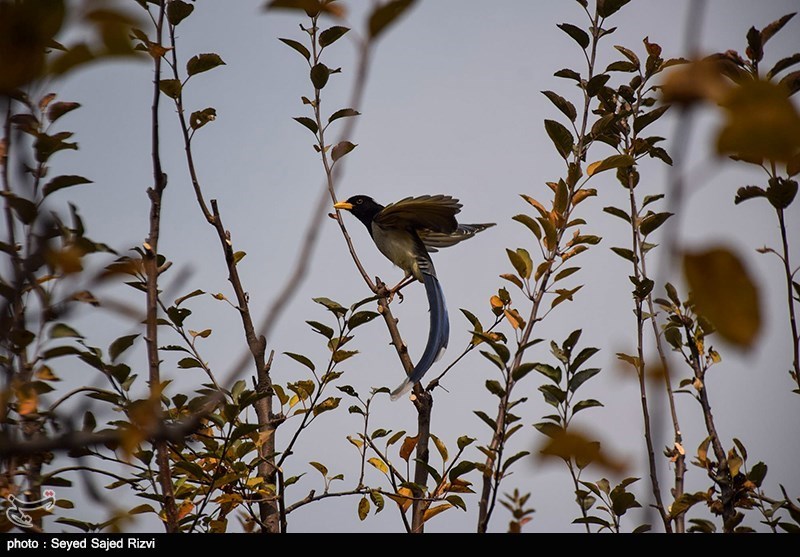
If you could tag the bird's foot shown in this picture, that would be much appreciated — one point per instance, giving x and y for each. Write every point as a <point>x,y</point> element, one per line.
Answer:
<point>392,293</point>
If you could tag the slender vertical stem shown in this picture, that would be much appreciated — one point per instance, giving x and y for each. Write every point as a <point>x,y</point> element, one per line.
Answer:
<point>151,270</point>
<point>787,268</point>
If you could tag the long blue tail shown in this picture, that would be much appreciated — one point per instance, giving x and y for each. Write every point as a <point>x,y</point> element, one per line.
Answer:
<point>438,334</point>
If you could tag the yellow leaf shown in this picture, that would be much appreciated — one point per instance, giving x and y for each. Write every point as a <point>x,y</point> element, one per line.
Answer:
<point>515,319</point>
<point>762,122</point>
<point>46,374</point>
<point>496,302</point>
<point>580,195</point>
<point>433,511</point>
<point>734,462</point>
<point>264,436</point>
<point>408,446</point>
<point>693,82</point>
<point>724,293</point>
<point>403,498</point>
<point>539,207</point>
<point>571,445</point>
<point>26,401</point>
<point>185,508</point>
<point>357,442</point>
<point>379,464</point>
<point>363,508</point>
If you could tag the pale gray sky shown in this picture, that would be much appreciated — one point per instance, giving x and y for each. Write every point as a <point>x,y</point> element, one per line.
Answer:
<point>453,106</point>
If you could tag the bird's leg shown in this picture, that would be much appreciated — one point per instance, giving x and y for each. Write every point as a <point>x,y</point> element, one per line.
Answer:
<point>408,279</point>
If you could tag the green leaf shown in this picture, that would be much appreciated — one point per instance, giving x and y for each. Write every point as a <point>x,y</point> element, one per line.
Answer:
<point>60,182</point>
<point>299,47</point>
<point>377,500</point>
<point>579,35</point>
<point>189,363</point>
<point>460,469</point>
<point>781,193</point>
<point>178,10</point>
<point>321,468</point>
<point>486,419</point>
<point>474,321</point>
<point>581,377</point>
<point>596,84</point>
<point>307,122</point>
<point>651,222</point>
<point>512,459</point>
<point>62,330</point>
<point>757,473</point>
<point>170,87</point>
<point>302,359</point>
<point>724,293</point>
<point>331,35</point>
<point>329,403</point>
<point>614,161</point>
<point>456,501</point>
<point>319,75</point>
<point>332,306</point>
<point>385,14</point>
<point>202,63</point>
<point>650,199</point>
<point>549,429</point>
<point>564,273</point>
<point>588,403</point>
<point>625,254</point>
<point>321,328</point>
<point>622,66</point>
<point>530,222</point>
<point>495,388</point>
<point>644,120</point>
<point>607,8</point>
<point>567,73</point>
<point>782,64</point>
<point>361,317</point>
<point>629,54</point>
<point>748,192</point>
<point>120,345</point>
<point>522,370</point>
<point>464,442</point>
<point>561,137</point>
<point>342,355</point>
<point>618,213</point>
<point>521,264</point>
<point>343,113</point>
<point>341,149</point>
<point>58,109</point>
<point>566,107</point>
<point>552,373</point>
<point>552,394</point>
<point>200,118</point>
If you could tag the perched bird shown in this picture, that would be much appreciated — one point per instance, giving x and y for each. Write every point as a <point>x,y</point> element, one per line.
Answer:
<point>407,232</point>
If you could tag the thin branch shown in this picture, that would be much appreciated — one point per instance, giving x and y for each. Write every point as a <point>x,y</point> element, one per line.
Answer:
<point>151,268</point>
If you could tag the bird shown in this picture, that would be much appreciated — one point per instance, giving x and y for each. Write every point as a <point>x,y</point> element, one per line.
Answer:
<point>407,232</point>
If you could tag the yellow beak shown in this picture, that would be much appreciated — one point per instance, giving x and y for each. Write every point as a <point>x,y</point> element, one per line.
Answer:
<point>343,205</point>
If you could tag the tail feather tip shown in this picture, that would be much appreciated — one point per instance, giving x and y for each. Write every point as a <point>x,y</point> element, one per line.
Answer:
<point>401,389</point>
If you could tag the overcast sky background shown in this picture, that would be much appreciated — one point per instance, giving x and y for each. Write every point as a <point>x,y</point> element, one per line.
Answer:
<point>452,106</point>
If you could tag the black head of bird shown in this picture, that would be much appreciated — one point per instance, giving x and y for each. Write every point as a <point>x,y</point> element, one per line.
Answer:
<point>406,232</point>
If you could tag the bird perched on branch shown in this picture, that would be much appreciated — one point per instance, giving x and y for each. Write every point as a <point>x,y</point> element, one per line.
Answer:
<point>406,232</point>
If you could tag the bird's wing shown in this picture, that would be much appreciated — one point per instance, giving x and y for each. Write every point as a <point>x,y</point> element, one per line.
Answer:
<point>436,213</point>
<point>434,240</point>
